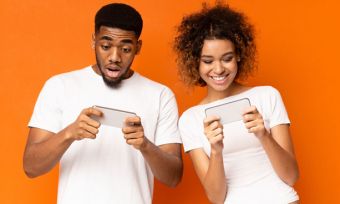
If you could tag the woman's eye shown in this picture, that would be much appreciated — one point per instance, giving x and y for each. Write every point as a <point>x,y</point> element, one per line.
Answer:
<point>207,61</point>
<point>227,59</point>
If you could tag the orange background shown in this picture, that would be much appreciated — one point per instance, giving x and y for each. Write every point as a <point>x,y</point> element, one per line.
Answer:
<point>299,55</point>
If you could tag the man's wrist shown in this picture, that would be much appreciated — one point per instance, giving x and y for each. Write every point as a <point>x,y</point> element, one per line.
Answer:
<point>145,145</point>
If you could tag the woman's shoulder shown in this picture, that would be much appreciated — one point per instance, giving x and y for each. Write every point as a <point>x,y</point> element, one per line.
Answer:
<point>191,114</point>
<point>192,111</point>
<point>262,92</point>
<point>264,89</point>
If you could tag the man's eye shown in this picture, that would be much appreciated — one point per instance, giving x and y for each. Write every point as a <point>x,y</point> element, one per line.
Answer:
<point>126,50</point>
<point>105,47</point>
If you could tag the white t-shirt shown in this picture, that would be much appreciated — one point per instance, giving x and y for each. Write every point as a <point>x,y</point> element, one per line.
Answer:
<point>106,169</point>
<point>249,174</point>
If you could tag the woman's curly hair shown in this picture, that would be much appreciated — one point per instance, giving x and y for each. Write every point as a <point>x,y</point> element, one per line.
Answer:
<point>218,22</point>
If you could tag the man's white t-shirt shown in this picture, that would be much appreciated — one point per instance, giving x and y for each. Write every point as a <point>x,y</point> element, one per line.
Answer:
<point>250,176</point>
<point>106,169</point>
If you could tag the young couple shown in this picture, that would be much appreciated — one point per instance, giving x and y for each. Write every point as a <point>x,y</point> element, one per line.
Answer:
<point>248,161</point>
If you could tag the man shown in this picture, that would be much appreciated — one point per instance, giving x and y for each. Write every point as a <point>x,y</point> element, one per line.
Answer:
<point>98,163</point>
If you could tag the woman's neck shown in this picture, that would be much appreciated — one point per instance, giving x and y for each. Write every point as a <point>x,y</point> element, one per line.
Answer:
<point>233,89</point>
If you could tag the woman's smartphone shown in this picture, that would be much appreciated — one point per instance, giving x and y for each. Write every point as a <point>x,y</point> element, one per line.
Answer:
<point>229,112</point>
<point>112,117</point>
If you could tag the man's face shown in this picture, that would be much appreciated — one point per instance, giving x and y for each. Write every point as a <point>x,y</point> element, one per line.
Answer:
<point>115,50</point>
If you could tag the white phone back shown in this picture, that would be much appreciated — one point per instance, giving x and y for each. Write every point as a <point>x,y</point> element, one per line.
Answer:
<point>229,112</point>
<point>112,117</point>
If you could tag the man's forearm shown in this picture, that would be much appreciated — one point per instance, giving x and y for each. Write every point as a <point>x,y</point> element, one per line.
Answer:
<point>165,162</point>
<point>40,158</point>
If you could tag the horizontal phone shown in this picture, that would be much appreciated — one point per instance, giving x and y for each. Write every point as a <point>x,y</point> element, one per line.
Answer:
<point>112,117</point>
<point>229,112</point>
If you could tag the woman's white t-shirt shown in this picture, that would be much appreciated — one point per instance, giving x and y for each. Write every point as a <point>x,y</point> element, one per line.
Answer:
<point>249,173</point>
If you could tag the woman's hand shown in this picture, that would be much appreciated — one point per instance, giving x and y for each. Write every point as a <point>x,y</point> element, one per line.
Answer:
<point>254,122</point>
<point>213,130</point>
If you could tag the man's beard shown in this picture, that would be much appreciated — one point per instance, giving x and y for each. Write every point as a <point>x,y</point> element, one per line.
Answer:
<point>112,83</point>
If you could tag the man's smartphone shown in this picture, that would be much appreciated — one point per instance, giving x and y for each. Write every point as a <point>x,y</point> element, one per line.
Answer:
<point>112,117</point>
<point>229,112</point>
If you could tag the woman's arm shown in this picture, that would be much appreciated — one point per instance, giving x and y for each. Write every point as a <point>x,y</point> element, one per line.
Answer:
<point>211,174</point>
<point>279,148</point>
<point>277,144</point>
<point>210,171</point>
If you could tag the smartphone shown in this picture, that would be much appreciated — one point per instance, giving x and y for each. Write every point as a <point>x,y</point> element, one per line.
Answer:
<point>112,117</point>
<point>229,112</point>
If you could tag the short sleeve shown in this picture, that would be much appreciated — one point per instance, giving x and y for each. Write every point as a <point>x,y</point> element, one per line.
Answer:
<point>167,127</point>
<point>190,131</point>
<point>278,114</point>
<point>47,111</point>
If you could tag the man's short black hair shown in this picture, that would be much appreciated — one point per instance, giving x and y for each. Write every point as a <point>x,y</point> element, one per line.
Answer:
<point>118,15</point>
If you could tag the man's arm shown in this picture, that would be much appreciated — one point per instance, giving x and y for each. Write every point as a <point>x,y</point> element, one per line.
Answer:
<point>44,149</point>
<point>165,161</point>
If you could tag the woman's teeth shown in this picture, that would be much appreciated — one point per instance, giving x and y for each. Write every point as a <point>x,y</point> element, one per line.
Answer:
<point>218,78</point>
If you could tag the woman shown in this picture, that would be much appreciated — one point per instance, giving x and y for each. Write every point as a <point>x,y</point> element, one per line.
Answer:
<point>247,161</point>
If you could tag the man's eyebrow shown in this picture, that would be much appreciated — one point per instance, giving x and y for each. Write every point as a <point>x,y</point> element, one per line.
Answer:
<point>105,37</point>
<point>127,41</point>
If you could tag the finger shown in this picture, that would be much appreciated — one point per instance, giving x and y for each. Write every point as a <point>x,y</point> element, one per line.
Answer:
<point>132,129</point>
<point>91,129</point>
<point>217,138</point>
<point>85,116</point>
<point>85,134</point>
<point>250,109</point>
<point>90,121</point>
<point>215,132</point>
<point>132,121</point>
<point>248,117</point>
<point>210,119</point>
<point>254,129</point>
<point>92,111</point>
<point>133,141</point>
<point>250,124</point>
<point>213,125</point>
<point>135,135</point>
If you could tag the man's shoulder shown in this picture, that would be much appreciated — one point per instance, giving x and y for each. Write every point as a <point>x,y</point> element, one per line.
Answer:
<point>70,75</point>
<point>147,80</point>
<point>74,73</point>
<point>148,83</point>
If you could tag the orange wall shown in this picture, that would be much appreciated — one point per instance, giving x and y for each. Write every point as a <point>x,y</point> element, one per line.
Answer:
<point>298,46</point>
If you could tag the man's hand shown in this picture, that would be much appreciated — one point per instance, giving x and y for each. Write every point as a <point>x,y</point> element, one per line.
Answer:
<point>84,126</point>
<point>134,133</point>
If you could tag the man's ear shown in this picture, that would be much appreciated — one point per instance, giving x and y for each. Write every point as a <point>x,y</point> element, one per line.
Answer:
<point>139,46</point>
<point>93,41</point>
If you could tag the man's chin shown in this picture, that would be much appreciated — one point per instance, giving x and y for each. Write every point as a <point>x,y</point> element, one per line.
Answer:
<point>112,83</point>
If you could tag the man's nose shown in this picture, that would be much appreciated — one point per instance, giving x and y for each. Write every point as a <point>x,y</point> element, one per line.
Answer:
<point>115,56</point>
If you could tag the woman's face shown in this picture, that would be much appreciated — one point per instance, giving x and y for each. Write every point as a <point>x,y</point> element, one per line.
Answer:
<point>218,64</point>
